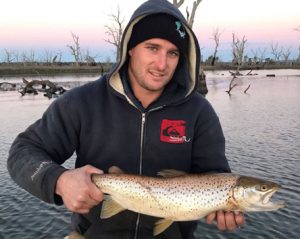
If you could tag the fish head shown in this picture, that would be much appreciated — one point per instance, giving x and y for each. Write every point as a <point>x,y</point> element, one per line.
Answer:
<point>252,194</point>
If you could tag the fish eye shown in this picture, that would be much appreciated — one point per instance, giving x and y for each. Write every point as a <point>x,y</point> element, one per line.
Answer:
<point>263,188</point>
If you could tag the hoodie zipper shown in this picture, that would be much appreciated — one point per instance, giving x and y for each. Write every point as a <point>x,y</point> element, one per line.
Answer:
<point>142,142</point>
<point>141,160</point>
<point>140,168</point>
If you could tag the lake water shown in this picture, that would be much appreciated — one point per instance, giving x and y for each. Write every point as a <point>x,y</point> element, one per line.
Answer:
<point>262,129</point>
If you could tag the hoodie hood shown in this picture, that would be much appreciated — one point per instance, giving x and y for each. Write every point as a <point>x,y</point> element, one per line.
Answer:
<point>188,69</point>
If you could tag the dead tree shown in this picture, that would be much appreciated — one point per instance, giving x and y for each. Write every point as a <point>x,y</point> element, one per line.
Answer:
<point>298,58</point>
<point>48,56</point>
<point>245,91</point>
<point>202,87</point>
<point>191,17</point>
<point>75,49</point>
<point>276,52</point>
<point>57,58</point>
<point>8,56</point>
<point>7,86</point>
<point>232,84</point>
<point>178,3</point>
<point>49,89</point>
<point>115,30</point>
<point>238,49</point>
<point>90,60</point>
<point>259,55</point>
<point>286,55</point>
<point>216,38</point>
<point>28,58</point>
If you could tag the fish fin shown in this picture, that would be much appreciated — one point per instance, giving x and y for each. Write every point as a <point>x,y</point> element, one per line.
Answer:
<point>110,207</point>
<point>161,225</point>
<point>171,173</point>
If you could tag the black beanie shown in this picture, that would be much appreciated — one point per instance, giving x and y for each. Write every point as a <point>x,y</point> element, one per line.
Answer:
<point>162,26</point>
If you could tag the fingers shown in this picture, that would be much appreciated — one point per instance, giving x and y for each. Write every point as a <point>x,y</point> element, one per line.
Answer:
<point>95,194</point>
<point>78,192</point>
<point>115,169</point>
<point>227,220</point>
<point>90,169</point>
<point>240,219</point>
<point>211,217</point>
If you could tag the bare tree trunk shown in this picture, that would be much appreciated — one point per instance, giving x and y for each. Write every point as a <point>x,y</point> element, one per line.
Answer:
<point>202,89</point>
<point>286,55</point>
<point>49,88</point>
<point>231,85</point>
<point>115,31</point>
<point>75,49</point>
<point>238,48</point>
<point>216,37</point>
<point>28,58</point>
<point>245,91</point>
<point>178,3</point>
<point>8,56</point>
<point>276,52</point>
<point>191,17</point>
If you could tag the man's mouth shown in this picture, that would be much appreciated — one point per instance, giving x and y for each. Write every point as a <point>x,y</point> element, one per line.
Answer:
<point>156,74</point>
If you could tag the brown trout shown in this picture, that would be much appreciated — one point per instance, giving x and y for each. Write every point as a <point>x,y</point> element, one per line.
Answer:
<point>177,196</point>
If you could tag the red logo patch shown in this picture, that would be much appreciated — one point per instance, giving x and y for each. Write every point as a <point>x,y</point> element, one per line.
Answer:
<point>173,131</point>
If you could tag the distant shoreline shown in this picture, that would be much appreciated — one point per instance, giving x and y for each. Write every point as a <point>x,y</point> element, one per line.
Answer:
<point>7,70</point>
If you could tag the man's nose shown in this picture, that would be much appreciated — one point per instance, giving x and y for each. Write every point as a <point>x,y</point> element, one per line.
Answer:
<point>161,61</point>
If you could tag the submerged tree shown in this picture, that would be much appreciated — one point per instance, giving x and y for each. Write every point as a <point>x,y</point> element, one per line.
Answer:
<point>238,49</point>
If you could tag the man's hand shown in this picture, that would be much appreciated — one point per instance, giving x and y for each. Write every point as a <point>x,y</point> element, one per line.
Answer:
<point>226,220</point>
<point>78,192</point>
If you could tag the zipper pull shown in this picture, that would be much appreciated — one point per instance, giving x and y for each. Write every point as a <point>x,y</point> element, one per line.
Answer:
<point>143,118</point>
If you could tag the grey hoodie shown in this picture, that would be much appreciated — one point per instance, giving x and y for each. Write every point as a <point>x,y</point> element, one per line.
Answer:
<point>103,124</point>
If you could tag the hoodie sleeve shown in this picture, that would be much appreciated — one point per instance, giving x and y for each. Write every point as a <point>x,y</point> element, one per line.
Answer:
<point>209,143</point>
<point>36,155</point>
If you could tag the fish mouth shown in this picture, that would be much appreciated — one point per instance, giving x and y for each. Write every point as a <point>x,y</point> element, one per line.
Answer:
<point>267,204</point>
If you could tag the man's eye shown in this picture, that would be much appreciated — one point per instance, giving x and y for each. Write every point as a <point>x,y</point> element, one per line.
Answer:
<point>152,48</point>
<point>174,53</point>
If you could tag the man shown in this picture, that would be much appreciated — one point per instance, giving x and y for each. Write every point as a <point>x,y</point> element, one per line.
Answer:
<point>144,116</point>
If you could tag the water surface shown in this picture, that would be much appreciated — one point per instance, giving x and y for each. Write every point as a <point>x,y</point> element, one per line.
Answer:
<point>262,129</point>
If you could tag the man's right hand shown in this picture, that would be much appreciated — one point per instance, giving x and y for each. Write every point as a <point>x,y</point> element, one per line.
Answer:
<point>77,190</point>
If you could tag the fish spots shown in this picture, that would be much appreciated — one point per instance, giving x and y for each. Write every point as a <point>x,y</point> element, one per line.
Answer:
<point>186,197</point>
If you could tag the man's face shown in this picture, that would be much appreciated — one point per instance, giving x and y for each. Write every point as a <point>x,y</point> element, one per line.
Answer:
<point>152,64</point>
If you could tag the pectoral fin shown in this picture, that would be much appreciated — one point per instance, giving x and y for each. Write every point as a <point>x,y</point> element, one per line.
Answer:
<point>110,208</point>
<point>161,225</point>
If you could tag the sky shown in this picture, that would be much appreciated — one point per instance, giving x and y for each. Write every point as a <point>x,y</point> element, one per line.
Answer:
<point>42,26</point>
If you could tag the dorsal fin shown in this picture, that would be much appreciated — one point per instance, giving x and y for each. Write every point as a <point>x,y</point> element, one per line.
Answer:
<point>171,173</point>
